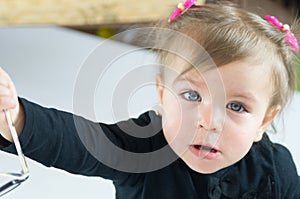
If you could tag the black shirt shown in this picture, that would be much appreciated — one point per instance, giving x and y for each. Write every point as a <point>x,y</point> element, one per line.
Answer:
<point>62,140</point>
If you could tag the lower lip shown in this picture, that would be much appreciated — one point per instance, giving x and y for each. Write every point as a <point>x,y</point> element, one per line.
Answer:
<point>204,154</point>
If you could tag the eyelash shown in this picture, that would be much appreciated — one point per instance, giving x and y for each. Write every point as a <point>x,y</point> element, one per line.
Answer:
<point>241,108</point>
<point>187,96</point>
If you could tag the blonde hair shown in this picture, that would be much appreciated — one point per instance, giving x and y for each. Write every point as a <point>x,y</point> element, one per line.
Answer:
<point>229,34</point>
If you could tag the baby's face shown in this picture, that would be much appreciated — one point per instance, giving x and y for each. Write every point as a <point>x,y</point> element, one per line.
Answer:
<point>212,119</point>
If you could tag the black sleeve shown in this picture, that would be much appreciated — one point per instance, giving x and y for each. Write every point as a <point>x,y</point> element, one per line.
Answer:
<point>4,142</point>
<point>63,140</point>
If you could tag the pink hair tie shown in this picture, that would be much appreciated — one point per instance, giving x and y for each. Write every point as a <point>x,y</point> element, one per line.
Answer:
<point>181,8</point>
<point>290,38</point>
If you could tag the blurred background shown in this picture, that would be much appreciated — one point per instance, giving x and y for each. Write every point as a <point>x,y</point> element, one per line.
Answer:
<point>105,18</point>
<point>99,12</point>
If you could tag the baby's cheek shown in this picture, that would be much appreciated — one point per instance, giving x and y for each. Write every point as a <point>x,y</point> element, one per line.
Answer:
<point>171,126</point>
<point>174,124</point>
<point>171,114</point>
<point>178,133</point>
<point>236,145</point>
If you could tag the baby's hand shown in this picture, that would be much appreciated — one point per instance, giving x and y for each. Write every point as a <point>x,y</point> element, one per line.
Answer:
<point>9,101</point>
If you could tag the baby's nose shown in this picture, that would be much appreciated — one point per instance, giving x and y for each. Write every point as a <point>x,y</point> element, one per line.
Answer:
<point>210,117</point>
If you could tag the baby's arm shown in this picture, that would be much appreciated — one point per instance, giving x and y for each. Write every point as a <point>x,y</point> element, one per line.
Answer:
<point>51,137</point>
<point>46,135</point>
<point>9,100</point>
<point>59,139</point>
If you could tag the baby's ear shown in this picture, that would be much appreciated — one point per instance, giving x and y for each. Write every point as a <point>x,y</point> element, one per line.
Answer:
<point>269,117</point>
<point>159,88</point>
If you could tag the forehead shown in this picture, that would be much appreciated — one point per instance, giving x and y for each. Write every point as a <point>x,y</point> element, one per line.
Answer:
<point>177,66</point>
<point>181,66</point>
<point>235,76</point>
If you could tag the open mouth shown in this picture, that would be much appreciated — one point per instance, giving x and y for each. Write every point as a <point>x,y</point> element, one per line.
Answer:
<point>206,148</point>
<point>205,151</point>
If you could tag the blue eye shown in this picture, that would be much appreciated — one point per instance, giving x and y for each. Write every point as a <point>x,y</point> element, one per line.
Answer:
<point>192,96</point>
<point>237,107</point>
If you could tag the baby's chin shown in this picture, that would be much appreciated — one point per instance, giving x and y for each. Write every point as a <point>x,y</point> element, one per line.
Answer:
<point>202,166</point>
<point>203,170</point>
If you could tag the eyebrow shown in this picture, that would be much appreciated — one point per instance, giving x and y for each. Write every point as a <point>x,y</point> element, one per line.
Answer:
<point>246,95</point>
<point>183,78</point>
<point>180,80</point>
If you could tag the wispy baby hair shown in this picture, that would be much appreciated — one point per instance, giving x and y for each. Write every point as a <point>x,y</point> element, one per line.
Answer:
<point>228,34</point>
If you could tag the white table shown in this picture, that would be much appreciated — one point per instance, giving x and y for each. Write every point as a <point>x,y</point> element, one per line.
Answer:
<point>44,62</point>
